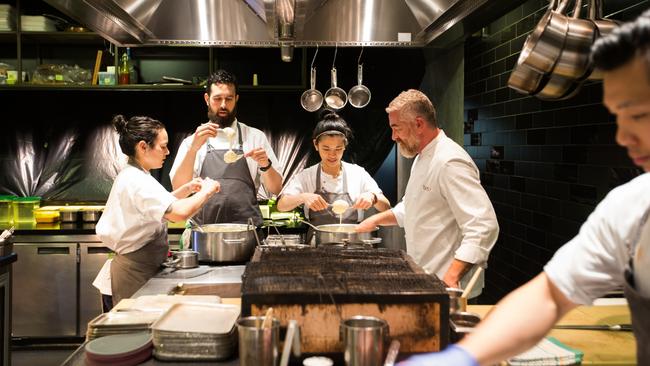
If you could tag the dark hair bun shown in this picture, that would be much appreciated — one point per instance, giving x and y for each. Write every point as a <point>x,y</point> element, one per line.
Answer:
<point>119,122</point>
<point>328,114</point>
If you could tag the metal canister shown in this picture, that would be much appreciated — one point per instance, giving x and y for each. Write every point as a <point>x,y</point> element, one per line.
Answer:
<point>363,340</point>
<point>258,346</point>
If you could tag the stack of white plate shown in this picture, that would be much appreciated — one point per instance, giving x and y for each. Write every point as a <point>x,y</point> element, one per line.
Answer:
<point>121,322</point>
<point>7,20</point>
<point>196,332</point>
<point>119,350</point>
<point>37,23</point>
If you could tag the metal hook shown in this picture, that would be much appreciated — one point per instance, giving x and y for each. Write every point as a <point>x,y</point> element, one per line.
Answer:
<point>336,48</point>
<point>314,59</point>
<point>359,60</point>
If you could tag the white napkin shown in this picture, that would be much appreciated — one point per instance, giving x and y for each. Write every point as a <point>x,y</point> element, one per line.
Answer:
<point>548,352</point>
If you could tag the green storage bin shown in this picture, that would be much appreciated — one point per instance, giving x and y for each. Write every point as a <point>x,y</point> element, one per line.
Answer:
<point>24,209</point>
<point>7,209</point>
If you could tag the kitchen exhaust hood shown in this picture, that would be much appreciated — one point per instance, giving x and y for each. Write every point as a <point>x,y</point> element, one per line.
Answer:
<point>273,23</point>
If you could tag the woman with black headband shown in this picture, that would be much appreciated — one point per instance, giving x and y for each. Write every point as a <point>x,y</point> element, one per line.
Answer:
<point>332,180</point>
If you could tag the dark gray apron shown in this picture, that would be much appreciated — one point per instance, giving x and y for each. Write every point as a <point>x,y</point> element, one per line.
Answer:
<point>129,272</point>
<point>640,311</point>
<point>639,307</point>
<point>327,216</point>
<point>237,200</point>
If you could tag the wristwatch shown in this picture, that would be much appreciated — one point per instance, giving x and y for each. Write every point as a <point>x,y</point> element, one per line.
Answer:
<point>374,198</point>
<point>265,168</point>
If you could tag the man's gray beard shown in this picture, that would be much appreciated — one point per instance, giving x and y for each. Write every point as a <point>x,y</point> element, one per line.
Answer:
<point>221,121</point>
<point>405,151</point>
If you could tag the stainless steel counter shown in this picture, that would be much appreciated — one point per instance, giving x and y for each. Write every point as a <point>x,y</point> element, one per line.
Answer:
<point>167,279</point>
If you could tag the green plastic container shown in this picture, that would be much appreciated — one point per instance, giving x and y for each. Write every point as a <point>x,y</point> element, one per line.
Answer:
<point>24,209</point>
<point>7,209</point>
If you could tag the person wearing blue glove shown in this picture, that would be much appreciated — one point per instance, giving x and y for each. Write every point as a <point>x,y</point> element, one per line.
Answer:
<point>611,249</point>
<point>452,355</point>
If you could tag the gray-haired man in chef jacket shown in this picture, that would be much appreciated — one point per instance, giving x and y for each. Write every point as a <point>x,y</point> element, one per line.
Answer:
<point>449,222</point>
<point>202,155</point>
<point>612,248</point>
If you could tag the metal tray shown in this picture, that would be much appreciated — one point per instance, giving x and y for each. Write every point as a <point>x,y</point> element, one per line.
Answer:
<point>208,319</point>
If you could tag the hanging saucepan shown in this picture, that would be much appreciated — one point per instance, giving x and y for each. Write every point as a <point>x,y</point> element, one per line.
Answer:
<point>335,97</point>
<point>574,61</point>
<point>311,99</point>
<point>525,79</point>
<point>359,95</point>
<point>605,27</point>
<point>544,45</point>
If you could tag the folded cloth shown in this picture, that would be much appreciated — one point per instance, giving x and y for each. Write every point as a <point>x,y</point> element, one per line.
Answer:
<point>548,352</point>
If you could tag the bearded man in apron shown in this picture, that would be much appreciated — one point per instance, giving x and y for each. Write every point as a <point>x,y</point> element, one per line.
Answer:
<point>612,248</point>
<point>202,155</point>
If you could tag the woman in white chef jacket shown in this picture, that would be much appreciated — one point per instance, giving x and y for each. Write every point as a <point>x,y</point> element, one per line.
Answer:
<point>134,222</point>
<point>318,186</point>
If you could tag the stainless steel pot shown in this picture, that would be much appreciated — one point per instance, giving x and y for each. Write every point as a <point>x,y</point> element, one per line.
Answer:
<point>544,45</point>
<point>186,259</point>
<point>574,61</point>
<point>344,234</point>
<point>224,242</point>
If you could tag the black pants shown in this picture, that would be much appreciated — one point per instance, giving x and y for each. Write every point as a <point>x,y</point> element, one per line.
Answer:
<point>107,303</point>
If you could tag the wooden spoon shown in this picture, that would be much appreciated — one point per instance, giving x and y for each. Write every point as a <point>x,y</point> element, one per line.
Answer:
<point>268,318</point>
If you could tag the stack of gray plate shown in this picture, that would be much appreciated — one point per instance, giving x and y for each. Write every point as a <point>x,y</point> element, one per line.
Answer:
<point>196,332</point>
<point>121,322</point>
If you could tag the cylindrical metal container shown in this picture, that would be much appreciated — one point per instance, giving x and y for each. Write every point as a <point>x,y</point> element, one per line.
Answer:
<point>69,214</point>
<point>344,233</point>
<point>456,302</point>
<point>258,346</point>
<point>224,242</point>
<point>90,215</point>
<point>363,340</point>
<point>187,259</point>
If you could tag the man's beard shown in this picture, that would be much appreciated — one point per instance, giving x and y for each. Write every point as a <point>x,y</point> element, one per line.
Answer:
<point>406,149</point>
<point>225,121</point>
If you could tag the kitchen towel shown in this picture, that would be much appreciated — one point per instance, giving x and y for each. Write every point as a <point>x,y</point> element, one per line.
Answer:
<point>548,352</point>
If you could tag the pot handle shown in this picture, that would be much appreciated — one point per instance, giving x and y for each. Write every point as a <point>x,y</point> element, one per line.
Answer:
<point>372,241</point>
<point>234,241</point>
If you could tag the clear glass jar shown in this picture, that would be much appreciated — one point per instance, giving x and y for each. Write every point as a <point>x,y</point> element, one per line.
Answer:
<point>7,209</point>
<point>24,208</point>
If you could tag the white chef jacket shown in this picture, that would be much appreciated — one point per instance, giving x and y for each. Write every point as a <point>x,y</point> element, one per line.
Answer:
<point>252,138</point>
<point>134,211</point>
<point>445,211</point>
<point>593,263</point>
<point>358,181</point>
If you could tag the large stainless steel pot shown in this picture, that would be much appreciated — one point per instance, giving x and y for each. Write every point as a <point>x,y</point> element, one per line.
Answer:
<point>224,242</point>
<point>344,234</point>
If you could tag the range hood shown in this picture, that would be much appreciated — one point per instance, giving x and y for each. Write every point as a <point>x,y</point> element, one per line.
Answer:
<point>273,23</point>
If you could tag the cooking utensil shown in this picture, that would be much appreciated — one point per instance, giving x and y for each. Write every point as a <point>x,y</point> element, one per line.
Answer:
<point>615,327</point>
<point>544,45</point>
<point>472,282</point>
<point>574,61</point>
<point>224,242</point>
<point>393,350</point>
<point>340,206</point>
<point>258,346</point>
<point>6,233</point>
<point>605,27</point>
<point>344,234</point>
<point>359,95</point>
<point>90,214</point>
<point>291,340</point>
<point>457,302</point>
<point>268,317</point>
<point>69,214</point>
<point>335,97</point>
<point>312,99</point>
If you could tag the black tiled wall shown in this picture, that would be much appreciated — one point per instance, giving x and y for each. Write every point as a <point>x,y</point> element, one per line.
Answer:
<point>545,165</point>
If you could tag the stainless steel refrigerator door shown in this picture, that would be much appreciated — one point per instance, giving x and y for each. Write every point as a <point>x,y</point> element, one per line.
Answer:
<point>45,290</point>
<point>93,256</point>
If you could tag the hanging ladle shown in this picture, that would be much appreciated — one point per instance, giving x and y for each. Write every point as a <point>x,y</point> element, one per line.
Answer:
<point>359,95</point>
<point>311,99</point>
<point>335,97</point>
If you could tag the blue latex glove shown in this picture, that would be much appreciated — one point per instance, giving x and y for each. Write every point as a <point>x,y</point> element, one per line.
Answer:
<point>452,355</point>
